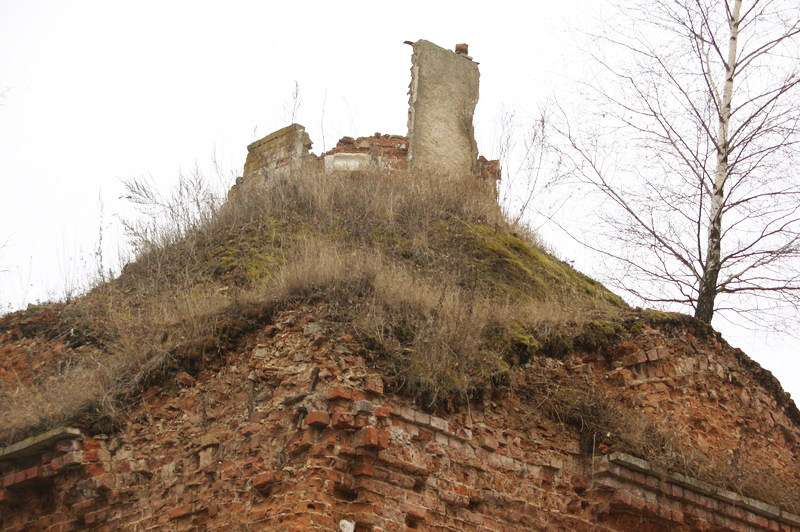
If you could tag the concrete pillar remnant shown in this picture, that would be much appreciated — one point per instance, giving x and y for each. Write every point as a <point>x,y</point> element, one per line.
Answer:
<point>442,99</point>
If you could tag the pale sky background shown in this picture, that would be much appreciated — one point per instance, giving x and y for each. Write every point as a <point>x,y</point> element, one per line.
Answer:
<point>101,91</point>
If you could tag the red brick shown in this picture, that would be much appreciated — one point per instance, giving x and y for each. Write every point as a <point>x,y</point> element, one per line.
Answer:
<point>95,517</point>
<point>366,437</point>
<point>81,506</point>
<point>265,479</point>
<point>371,437</point>
<point>94,469</point>
<point>103,482</point>
<point>8,497</point>
<point>424,435</point>
<point>303,441</point>
<point>184,378</point>
<point>364,470</point>
<point>453,498</point>
<point>180,511</point>
<point>318,418</point>
<point>92,444</point>
<point>339,392</point>
<point>382,411</point>
<point>250,430</point>
<point>417,512</point>
<point>319,449</point>
<point>342,420</point>
<point>72,458</point>
<point>57,463</point>
<point>91,456</point>
<point>32,473</point>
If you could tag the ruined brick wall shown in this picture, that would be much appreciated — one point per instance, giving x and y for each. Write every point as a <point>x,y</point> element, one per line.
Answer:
<point>278,153</point>
<point>442,99</point>
<point>296,432</point>
<point>377,152</point>
<point>635,495</point>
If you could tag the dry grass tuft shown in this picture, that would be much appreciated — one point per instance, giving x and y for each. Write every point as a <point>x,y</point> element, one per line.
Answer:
<point>437,340</point>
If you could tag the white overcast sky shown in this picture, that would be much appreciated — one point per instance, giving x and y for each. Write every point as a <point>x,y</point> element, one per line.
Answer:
<point>95,92</point>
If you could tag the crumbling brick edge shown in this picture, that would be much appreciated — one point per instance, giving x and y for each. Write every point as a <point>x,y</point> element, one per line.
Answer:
<point>637,484</point>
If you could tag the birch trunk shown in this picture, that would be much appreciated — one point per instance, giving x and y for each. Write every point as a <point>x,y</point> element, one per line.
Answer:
<point>708,284</point>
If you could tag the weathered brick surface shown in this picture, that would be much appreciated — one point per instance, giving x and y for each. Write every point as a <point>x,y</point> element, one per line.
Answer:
<point>368,153</point>
<point>198,457</point>
<point>277,154</point>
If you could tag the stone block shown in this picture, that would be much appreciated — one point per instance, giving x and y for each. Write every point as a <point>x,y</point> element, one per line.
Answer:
<point>349,162</point>
<point>363,406</point>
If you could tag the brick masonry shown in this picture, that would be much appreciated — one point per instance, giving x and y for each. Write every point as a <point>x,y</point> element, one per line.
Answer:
<point>377,152</point>
<point>277,154</point>
<point>296,432</point>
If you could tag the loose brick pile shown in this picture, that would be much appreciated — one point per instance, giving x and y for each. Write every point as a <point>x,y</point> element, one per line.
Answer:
<point>295,431</point>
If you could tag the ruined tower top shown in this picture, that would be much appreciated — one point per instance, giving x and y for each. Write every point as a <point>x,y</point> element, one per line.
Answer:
<point>442,99</point>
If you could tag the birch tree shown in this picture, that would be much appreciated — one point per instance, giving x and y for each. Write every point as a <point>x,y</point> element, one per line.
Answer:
<point>694,148</point>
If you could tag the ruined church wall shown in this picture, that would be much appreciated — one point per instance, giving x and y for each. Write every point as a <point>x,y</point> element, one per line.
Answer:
<point>442,99</point>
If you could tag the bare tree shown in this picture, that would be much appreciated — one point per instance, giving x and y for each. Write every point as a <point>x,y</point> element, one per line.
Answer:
<point>529,168</point>
<point>695,151</point>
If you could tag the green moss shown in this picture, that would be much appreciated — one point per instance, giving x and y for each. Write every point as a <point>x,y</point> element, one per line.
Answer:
<point>556,344</point>
<point>520,345</point>
<point>518,268</point>
<point>248,256</point>
<point>599,334</point>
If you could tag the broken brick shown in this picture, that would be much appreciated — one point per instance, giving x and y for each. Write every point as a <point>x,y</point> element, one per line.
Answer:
<point>180,511</point>
<point>318,418</point>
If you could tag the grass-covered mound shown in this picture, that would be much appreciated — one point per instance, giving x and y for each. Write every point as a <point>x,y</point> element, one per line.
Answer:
<point>424,268</point>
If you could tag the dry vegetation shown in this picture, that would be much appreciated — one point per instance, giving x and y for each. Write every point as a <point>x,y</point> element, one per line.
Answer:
<point>426,270</point>
<point>445,293</point>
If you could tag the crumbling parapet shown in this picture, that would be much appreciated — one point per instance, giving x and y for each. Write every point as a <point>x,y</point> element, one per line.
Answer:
<point>378,152</point>
<point>627,489</point>
<point>29,468</point>
<point>442,97</point>
<point>278,153</point>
